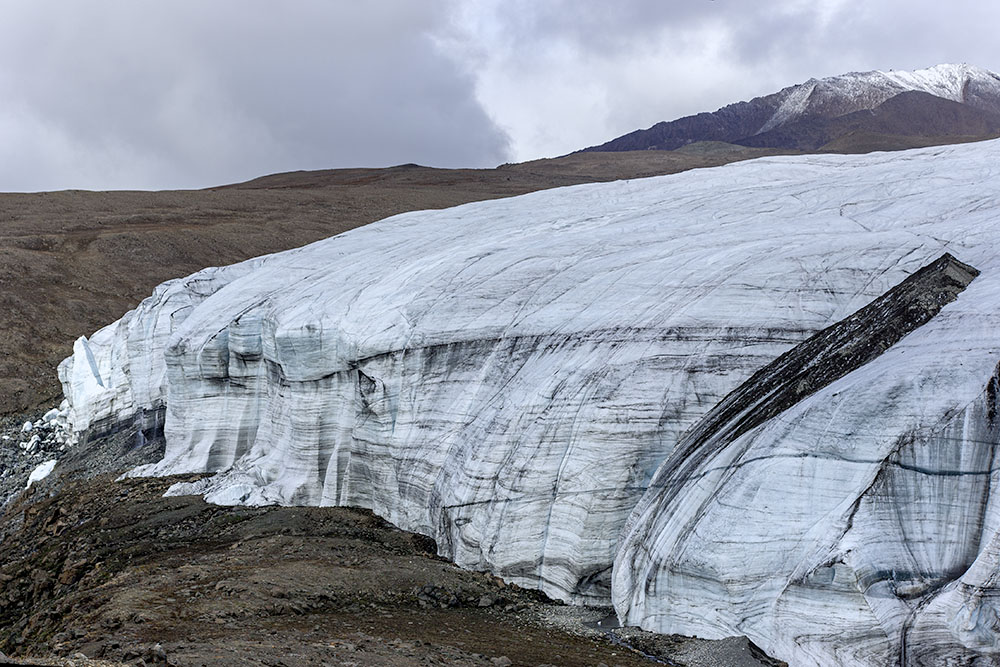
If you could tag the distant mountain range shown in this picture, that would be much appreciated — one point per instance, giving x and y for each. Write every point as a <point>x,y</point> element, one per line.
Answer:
<point>853,112</point>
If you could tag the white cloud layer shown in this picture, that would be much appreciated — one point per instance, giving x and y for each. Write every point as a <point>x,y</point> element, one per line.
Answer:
<point>141,94</point>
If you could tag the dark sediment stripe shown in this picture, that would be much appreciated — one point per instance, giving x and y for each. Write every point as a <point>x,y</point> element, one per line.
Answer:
<point>813,364</point>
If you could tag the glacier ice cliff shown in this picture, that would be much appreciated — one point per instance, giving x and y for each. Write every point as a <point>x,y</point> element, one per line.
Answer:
<point>507,377</point>
<point>899,520</point>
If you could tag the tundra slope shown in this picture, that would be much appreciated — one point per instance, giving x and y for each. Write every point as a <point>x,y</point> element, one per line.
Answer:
<point>506,376</point>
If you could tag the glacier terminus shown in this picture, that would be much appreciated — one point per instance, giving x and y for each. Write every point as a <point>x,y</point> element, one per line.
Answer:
<point>759,399</point>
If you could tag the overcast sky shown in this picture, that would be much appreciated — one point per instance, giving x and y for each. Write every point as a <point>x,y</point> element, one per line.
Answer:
<point>117,94</point>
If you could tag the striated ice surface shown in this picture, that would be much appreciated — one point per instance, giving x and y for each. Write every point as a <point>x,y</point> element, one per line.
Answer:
<point>120,370</point>
<point>860,503</point>
<point>507,376</point>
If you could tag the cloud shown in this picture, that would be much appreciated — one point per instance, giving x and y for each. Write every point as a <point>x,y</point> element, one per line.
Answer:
<point>147,94</point>
<point>108,94</point>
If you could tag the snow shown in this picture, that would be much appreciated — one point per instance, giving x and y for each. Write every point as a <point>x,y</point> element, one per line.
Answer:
<point>794,104</point>
<point>41,472</point>
<point>947,81</point>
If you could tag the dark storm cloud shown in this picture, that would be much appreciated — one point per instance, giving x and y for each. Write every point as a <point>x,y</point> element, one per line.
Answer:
<point>164,94</point>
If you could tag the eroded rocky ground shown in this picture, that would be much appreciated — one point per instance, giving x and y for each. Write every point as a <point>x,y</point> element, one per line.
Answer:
<point>91,567</point>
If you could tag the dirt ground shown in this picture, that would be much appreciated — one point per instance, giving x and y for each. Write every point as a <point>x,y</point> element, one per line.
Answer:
<point>112,570</point>
<point>93,569</point>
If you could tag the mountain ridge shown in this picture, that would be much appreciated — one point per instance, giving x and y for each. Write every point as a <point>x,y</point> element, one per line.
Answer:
<point>822,102</point>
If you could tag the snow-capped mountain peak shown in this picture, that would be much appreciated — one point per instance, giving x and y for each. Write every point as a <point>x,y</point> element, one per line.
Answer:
<point>855,91</point>
<point>929,106</point>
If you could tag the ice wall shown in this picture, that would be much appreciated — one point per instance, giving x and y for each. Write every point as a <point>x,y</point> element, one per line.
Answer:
<point>506,376</point>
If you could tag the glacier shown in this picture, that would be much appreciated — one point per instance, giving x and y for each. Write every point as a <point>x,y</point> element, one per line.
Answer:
<point>517,379</point>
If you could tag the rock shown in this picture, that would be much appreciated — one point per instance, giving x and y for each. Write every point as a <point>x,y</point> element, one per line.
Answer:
<point>430,595</point>
<point>70,573</point>
<point>502,661</point>
<point>156,654</point>
<point>27,427</point>
<point>506,377</point>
